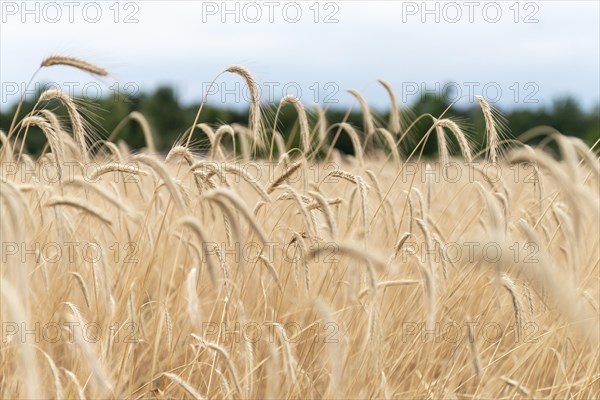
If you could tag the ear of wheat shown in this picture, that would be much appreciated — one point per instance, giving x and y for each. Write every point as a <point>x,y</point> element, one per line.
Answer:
<point>75,63</point>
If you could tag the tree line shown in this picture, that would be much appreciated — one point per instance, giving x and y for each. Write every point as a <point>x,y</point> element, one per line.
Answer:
<point>169,119</point>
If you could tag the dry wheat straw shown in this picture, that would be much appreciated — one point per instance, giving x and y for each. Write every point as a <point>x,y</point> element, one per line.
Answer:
<point>330,202</point>
<point>73,378</point>
<point>356,145</point>
<point>273,371</point>
<point>300,202</point>
<point>83,287</point>
<point>193,224</point>
<point>243,173</point>
<point>422,204</point>
<point>19,314</point>
<point>159,168</point>
<point>334,347</point>
<point>144,124</point>
<point>352,250</point>
<point>281,149</point>
<point>224,385</point>
<point>442,144</point>
<point>225,355</point>
<point>391,143</point>
<point>101,383</point>
<point>190,283</point>
<point>55,374</point>
<point>329,217</point>
<point>243,134</point>
<point>216,141</point>
<point>473,347</point>
<point>506,208</point>
<point>184,385</point>
<point>100,191</point>
<point>430,294</point>
<point>181,151</point>
<point>63,138</point>
<point>50,130</point>
<point>586,154</point>
<point>560,290</point>
<point>217,194</point>
<point>381,199</point>
<point>168,325</point>
<point>322,123</point>
<point>298,239</point>
<point>6,146</point>
<point>272,271</point>
<point>496,225</point>
<point>399,245</point>
<point>511,382</point>
<point>512,289</point>
<point>115,167</point>
<point>249,353</point>
<point>52,136</point>
<point>393,283</point>
<point>372,341</point>
<point>593,302</point>
<point>568,228</point>
<point>363,190</point>
<point>291,363</point>
<point>113,149</point>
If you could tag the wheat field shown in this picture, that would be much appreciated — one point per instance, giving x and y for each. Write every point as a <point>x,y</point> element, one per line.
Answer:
<point>275,271</point>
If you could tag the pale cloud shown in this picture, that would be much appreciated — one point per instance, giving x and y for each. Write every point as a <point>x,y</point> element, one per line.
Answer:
<point>179,43</point>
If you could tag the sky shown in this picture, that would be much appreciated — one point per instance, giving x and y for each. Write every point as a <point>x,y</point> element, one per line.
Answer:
<point>514,53</point>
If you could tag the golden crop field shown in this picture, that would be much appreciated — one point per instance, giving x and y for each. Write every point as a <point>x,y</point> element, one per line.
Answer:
<point>270,271</point>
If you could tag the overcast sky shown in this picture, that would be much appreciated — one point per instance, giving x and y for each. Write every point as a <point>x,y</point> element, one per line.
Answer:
<point>514,53</point>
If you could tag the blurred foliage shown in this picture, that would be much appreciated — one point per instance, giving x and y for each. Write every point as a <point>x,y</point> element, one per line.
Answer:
<point>169,120</point>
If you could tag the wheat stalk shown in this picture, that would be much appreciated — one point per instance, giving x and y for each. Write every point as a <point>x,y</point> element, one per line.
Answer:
<point>255,123</point>
<point>165,176</point>
<point>394,122</point>
<point>76,119</point>
<point>461,137</point>
<point>272,271</point>
<point>356,145</point>
<point>303,120</point>
<point>195,227</point>
<point>144,124</point>
<point>442,144</point>
<point>472,347</point>
<point>512,289</point>
<point>225,354</point>
<point>330,218</point>
<point>73,378</point>
<point>283,177</point>
<point>52,136</point>
<point>369,124</point>
<point>64,201</point>
<point>184,385</point>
